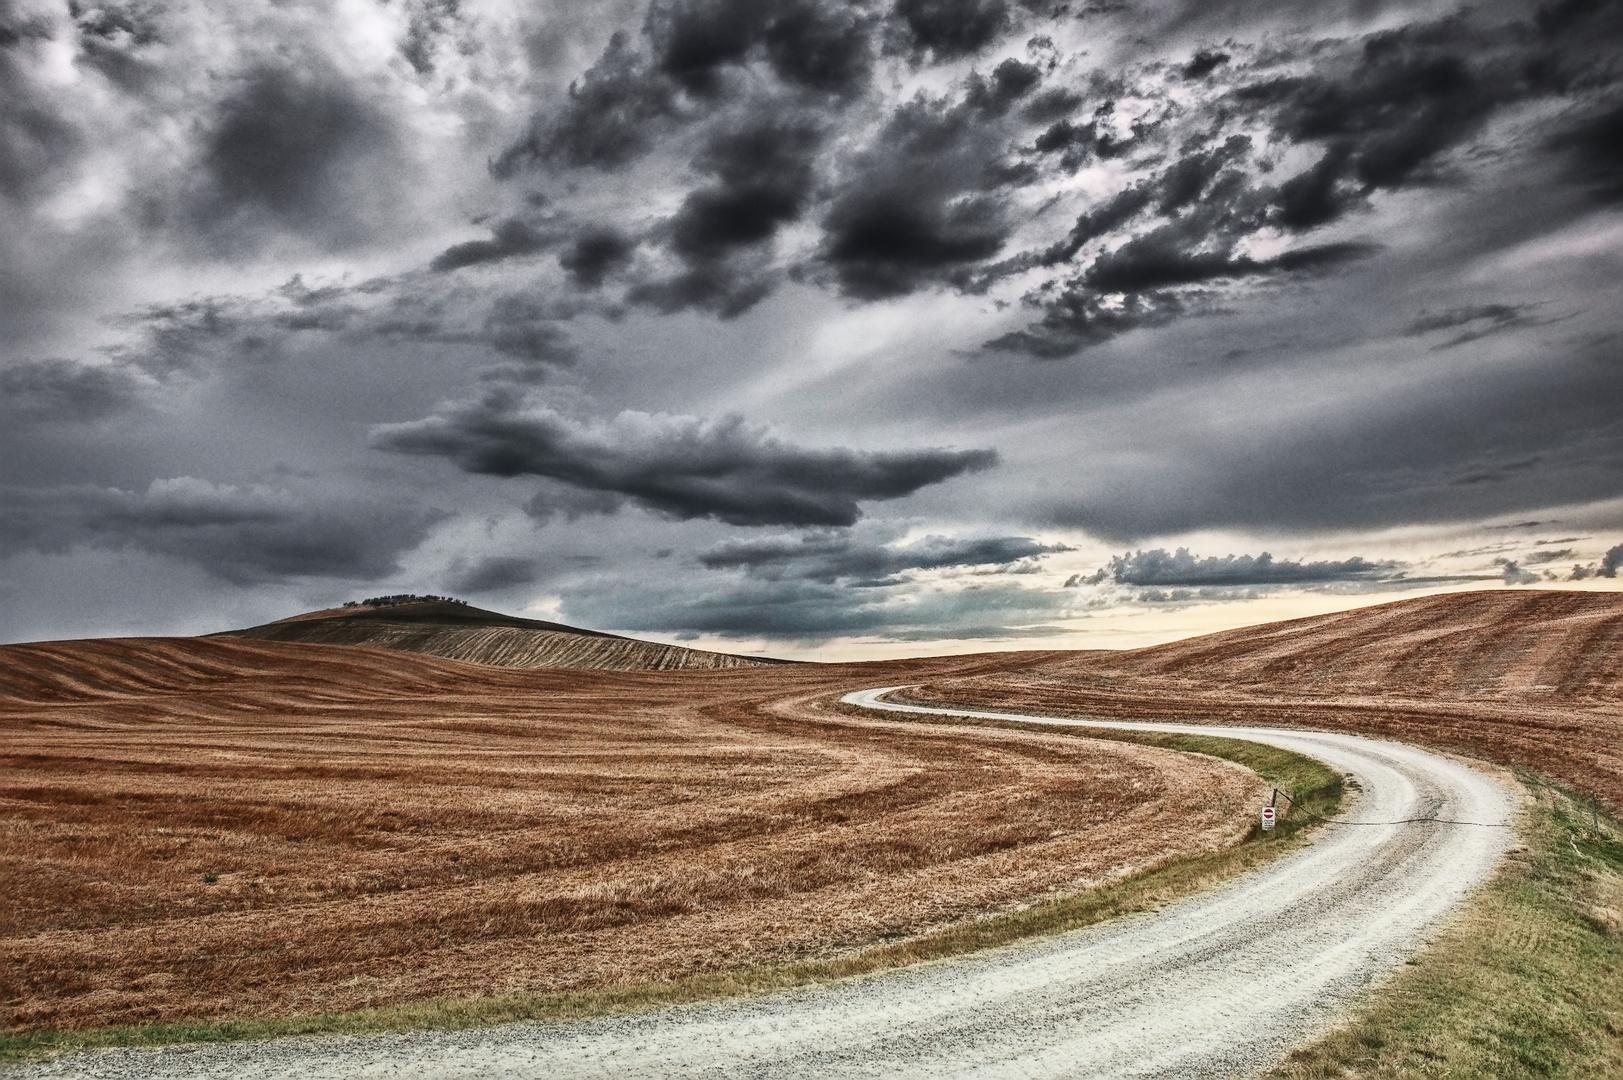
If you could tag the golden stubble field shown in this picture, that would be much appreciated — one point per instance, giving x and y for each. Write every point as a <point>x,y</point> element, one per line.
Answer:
<point>1520,677</point>
<point>216,828</point>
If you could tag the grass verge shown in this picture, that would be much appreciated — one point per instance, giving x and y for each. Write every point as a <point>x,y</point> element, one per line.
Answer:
<point>1315,787</point>
<point>1527,979</point>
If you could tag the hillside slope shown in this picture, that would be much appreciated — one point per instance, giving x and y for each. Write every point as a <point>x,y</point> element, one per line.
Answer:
<point>1530,678</point>
<point>1533,645</point>
<point>459,631</point>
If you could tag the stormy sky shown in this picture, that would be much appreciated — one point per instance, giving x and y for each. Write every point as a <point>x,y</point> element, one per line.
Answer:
<point>808,327</point>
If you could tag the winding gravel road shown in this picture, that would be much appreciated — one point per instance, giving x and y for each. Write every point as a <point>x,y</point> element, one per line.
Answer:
<point>1220,984</point>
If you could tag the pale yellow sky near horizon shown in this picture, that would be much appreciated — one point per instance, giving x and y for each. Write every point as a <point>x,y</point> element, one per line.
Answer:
<point>1123,627</point>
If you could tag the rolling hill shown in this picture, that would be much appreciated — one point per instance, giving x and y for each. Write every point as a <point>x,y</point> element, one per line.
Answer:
<point>1525,677</point>
<point>1522,645</point>
<point>458,631</point>
<point>336,810</point>
<point>210,827</point>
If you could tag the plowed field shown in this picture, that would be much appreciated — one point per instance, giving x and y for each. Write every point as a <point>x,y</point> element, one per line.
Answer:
<point>207,828</point>
<point>458,631</point>
<point>1531,678</point>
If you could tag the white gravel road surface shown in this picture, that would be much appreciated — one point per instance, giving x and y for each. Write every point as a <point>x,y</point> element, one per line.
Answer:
<point>1221,984</point>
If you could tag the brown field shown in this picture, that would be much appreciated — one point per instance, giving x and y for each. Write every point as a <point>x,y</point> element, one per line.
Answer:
<point>224,827</point>
<point>1530,678</point>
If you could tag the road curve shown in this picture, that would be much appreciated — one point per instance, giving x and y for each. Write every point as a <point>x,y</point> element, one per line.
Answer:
<point>1220,984</point>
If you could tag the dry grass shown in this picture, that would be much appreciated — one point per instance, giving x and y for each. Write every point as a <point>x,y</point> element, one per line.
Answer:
<point>202,830</point>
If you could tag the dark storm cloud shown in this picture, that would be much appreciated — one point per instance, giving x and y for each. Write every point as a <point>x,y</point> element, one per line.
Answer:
<point>696,49</point>
<point>242,535</point>
<point>678,466</point>
<point>1052,104</point>
<point>920,206</point>
<point>1104,219</point>
<point>57,391</point>
<point>556,498</point>
<point>822,46</point>
<point>596,254</point>
<point>1164,258</point>
<point>1411,94</point>
<point>831,556</point>
<point>1231,207</point>
<point>1204,62</point>
<point>492,574</point>
<point>1594,151</point>
<point>1210,209</point>
<point>1159,567</point>
<point>763,176</point>
<point>1206,206</point>
<point>691,40</point>
<point>948,29</point>
<point>1385,112</point>
<point>297,149</point>
<point>1608,566</point>
<point>812,611</point>
<point>1075,318</point>
<point>509,239</point>
<point>926,200</point>
<point>726,288</point>
<point>1317,195</point>
<point>1514,574</point>
<point>1613,560</point>
<point>1191,177</point>
<point>609,120</point>
<point>924,204</point>
<point>763,179</point>
<point>815,44</point>
<point>1010,82</point>
<point>1077,142</point>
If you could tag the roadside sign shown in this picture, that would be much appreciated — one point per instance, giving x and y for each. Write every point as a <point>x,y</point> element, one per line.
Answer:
<point>1267,818</point>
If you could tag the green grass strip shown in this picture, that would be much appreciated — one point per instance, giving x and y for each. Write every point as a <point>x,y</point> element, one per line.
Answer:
<point>1315,787</point>
<point>1526,980</point>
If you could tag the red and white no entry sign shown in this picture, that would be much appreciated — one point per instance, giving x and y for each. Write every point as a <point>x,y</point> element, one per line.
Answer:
<point>1267,818</point>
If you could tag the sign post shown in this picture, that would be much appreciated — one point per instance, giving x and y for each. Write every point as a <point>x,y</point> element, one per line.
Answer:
<point>1268,813</point>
